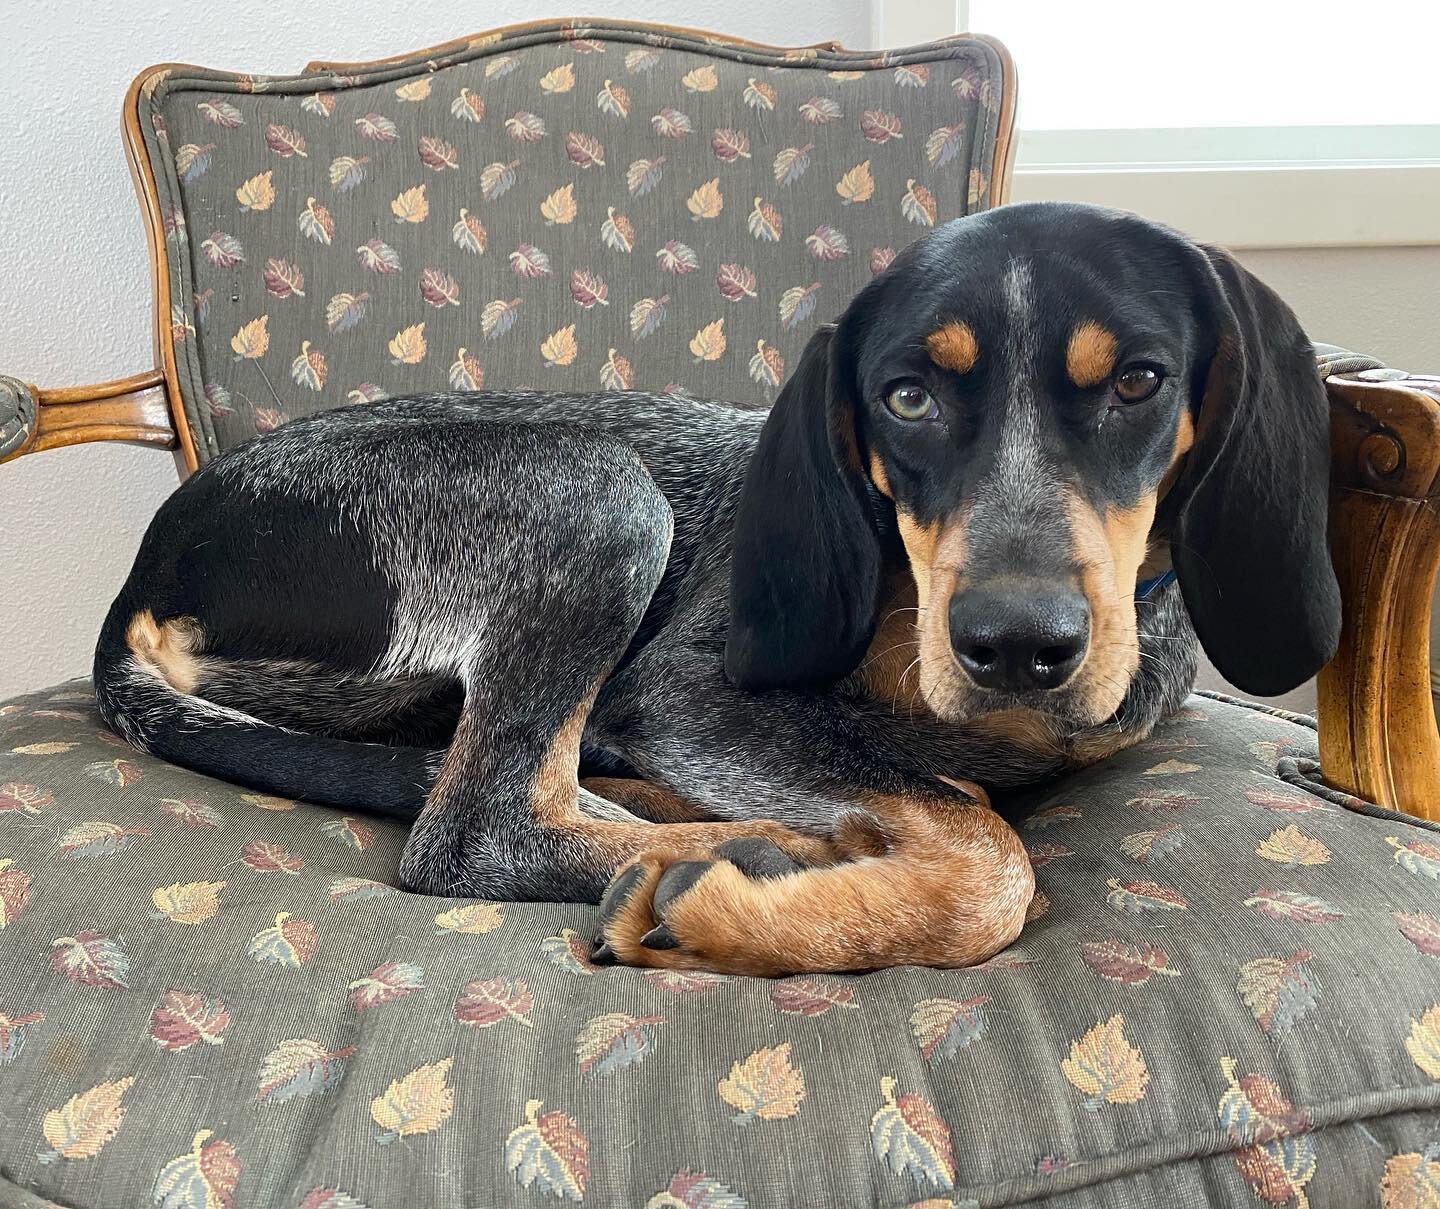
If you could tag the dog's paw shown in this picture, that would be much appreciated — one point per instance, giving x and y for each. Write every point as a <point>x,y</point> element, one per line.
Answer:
<point>692,911</point>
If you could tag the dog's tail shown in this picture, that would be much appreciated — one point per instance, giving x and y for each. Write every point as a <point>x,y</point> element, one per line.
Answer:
<point>136,664</point>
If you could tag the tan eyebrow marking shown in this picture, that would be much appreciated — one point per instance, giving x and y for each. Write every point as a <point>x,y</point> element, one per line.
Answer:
<point>953,346</point>
<point>1090,356</point>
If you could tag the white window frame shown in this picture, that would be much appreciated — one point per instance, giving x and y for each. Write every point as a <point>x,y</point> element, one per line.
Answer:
<point>1340,186</point>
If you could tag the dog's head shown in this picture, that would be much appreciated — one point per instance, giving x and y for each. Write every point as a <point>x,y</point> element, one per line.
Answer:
<point>1046,404</point>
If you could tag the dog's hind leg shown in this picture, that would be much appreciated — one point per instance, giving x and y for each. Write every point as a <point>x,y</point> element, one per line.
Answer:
<point>542,633</point>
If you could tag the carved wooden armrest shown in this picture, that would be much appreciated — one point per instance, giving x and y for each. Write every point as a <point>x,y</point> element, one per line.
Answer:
<point>127,409</point>
<point>1377,720</point>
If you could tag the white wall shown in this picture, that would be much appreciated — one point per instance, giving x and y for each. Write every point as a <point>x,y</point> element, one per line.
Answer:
<point>74,281</point>
<point>74,290</point>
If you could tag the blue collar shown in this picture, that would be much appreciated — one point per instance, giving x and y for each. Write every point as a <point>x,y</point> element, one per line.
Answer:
<point>1146,587</point>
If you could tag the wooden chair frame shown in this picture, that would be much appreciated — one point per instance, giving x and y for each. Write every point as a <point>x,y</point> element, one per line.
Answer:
<point>1378,737</point>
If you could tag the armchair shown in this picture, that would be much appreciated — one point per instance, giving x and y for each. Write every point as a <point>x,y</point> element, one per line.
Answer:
<point>1227,992</point>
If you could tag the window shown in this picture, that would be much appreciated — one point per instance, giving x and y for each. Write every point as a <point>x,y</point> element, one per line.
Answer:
<point>1243,122</point>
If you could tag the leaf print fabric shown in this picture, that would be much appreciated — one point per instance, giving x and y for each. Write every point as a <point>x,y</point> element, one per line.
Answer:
<point>565,156</point>
<point>260,952</point>
<point>158,969</point>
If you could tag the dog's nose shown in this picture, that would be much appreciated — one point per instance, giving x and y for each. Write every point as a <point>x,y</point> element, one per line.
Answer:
<point>1020,637</point>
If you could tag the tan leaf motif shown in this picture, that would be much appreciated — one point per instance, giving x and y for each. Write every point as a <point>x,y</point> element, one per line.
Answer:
<point>1412,1180</point>
<point>252,340</point>
<point>559,207</point>
<point>559,79</point>
<point>708,344</point>
<point>415,90</point>
<point>407,347</point>
<point>559,348</point>
<point>80,1127</point>
<point>188,902</point>
<point>764,1085</point>
<point>420,1102</point>
<point>411,206</point>
<point>706,201</point>
<point>1106,1067</point>
<point>1423,1043</point>
<point>257,193</point>
<point>857,185</point>
<point>1290,846</point>
<point>700,79</point>
<point>473,919</point>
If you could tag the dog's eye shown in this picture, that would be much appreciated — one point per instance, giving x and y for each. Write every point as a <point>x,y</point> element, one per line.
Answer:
<point>1137,383</point>
<point>911,403</point>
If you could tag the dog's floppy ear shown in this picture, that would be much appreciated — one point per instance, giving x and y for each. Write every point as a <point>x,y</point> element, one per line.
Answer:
<point>806,571</point>
<point>1249,540</point>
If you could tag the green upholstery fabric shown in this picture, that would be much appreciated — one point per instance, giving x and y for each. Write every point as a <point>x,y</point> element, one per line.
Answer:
<point>556,207</point>
<point>1229,994</point>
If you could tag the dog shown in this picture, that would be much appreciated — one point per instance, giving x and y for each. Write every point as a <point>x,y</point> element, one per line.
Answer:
<point>746,677</point>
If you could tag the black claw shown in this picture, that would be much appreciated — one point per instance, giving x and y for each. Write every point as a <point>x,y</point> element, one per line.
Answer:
<point>619,890</point>
<point>659,937</point>
<point>601,954</point>
<point>757,857</point>
<point>676,880</point>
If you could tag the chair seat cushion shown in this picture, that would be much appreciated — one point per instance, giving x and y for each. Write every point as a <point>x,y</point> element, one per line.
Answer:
<point>1229,993</point>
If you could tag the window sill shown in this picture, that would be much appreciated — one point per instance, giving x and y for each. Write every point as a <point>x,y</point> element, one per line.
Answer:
<point>1260,207</point>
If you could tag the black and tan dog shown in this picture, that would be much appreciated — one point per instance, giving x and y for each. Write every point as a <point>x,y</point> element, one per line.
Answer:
<point>781,648</point>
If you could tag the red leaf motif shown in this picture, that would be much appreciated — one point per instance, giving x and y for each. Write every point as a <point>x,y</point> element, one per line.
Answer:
<point>14,892</point>
<point>182,1019</point>
<point>880,259</point>
<point>735,282</point>
<point>284,279</point>
<point>1043,854</point>
<point>730,145</point>
<point>529,261</point>
<point>437,153</point>
<point>588,289</point>
<point>1125,963</point>
<point>585,150</point>
<point>28,799</point>
<point>439,288</point>
<point>487,1002</point>
<point>879,126</point>
<point>1422,931</point>
<point>1284,803</point>
<point>267,857</point>
<point>283,141</point>
<point>810,996</point>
